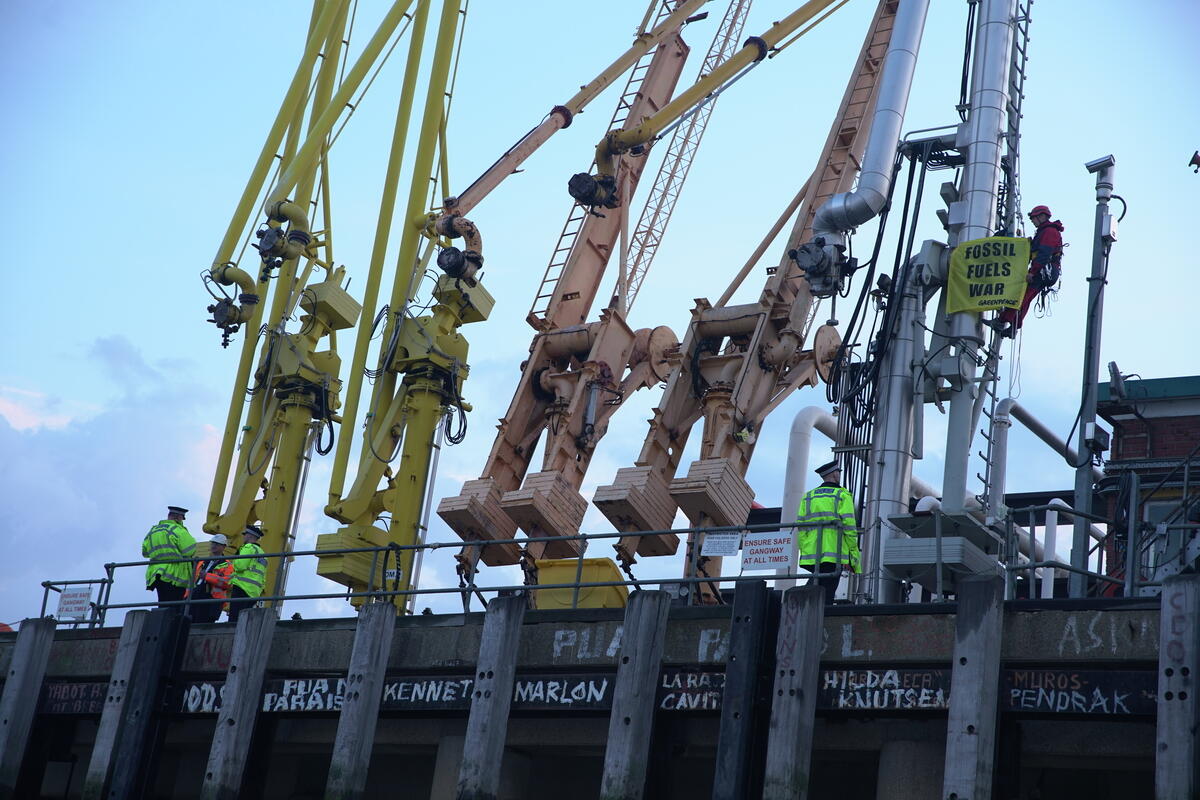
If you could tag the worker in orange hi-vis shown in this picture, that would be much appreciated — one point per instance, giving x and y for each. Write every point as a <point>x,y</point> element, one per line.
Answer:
<point>210,581</point>
<point>1045,268</point>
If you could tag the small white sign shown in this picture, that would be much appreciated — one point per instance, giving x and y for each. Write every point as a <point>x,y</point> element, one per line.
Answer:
<point>74,603</point>
<point>721,544</point>
<point>392,574</point>
<point>762,551</point>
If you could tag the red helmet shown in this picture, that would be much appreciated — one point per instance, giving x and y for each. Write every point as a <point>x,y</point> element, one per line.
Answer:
<point>1040,210</point>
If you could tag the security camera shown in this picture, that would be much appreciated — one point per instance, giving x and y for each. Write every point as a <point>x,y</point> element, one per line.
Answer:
<point>1116,382</point>
<point>1104,162</point>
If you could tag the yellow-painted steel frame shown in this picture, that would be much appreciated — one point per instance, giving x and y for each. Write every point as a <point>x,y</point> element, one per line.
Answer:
<point>432,357</point>
<point>296,385</point>
<point>383,229</point>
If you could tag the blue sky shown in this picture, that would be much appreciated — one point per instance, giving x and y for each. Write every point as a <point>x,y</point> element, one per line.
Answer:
<point>133,125</point>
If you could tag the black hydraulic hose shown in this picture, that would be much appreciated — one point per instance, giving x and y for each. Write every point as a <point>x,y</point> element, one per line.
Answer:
<point>903,270</point>
<point>852,328</point>
<point>869,375</point>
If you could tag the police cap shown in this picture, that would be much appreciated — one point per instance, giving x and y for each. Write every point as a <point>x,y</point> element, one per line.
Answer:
<point>826,469</point>
<point>177,510</point>
<point>252,530</point>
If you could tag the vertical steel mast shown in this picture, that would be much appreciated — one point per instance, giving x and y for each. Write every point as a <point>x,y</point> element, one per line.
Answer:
<point>981,139</point>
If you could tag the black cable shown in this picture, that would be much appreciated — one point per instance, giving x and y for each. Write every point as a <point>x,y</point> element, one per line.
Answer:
<point>326,450</point>
<point>903,255</point>
<point>831,387</point>
<point>1079,415</point>
<point>1124,206</point>
<point>966,69</point>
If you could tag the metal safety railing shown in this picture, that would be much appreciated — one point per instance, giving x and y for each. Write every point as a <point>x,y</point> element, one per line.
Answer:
<point>388,588</point>
<point>1049,565</point>
<point>93,615</point>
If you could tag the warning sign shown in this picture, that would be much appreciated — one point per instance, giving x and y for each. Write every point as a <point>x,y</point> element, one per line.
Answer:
<point>987,274</point>
<point>772,550</point>
<point>74,603</point>
<point>721,544</point>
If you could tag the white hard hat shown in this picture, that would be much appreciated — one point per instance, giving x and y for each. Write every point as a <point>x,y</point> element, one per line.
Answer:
<point>219,539</point>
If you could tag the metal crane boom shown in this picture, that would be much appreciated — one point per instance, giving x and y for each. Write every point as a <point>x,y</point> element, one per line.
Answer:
<point>574,370</point>
<point>673,172</point>
<point>737,363</point>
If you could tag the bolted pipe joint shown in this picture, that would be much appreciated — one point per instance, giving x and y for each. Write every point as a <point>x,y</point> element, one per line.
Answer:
<point>462,264</point>
<point>275,245</point>
<point>784,352</point>
<point>594,190</point>
<point>226,314</point>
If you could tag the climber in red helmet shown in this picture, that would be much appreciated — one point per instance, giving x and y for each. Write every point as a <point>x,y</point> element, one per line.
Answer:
<point>1045,268</point>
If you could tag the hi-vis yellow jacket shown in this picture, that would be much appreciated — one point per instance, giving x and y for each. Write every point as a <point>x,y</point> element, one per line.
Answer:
<point>167,540</point>
<point>831,535</point>
<point>249,574</point>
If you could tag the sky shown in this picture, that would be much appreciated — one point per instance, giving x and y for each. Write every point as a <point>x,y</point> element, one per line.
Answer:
<point>133,126</point>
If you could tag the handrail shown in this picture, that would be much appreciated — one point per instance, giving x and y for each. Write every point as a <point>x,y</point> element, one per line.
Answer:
<point>465,589</point>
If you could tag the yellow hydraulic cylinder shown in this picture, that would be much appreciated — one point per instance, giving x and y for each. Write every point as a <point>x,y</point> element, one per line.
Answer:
<point>426,405</point>
<point>383,227</point>
<point>276,509</point>
<point>756,49</point>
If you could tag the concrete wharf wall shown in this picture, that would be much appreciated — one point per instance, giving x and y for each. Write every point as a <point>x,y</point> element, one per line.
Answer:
<point>1083,632</point>
<point>553,753</point>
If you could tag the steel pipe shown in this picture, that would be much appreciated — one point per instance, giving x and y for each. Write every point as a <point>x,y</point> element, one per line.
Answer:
<point>845,211</point>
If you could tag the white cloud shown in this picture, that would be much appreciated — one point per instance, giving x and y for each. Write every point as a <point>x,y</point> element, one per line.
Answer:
<point>82,494</point>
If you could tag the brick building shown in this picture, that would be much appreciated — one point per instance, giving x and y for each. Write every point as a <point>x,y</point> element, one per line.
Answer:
<point>1155,456</point>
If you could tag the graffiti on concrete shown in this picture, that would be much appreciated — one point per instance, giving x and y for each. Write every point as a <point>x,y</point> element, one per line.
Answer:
<point>1060,691</point>
<point>690,690</point>
<point>1093,632</point>
<point>587,644</point>
<point>885,689</point>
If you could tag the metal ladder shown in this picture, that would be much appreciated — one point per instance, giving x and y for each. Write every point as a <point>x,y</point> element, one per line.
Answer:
<point>987,385</point>
<point>561,255</point>
<point>1011,212</point>
<point>1009,217</point>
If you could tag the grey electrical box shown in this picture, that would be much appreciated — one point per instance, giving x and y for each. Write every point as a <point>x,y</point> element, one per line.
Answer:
<point>1108,229</point>
<point>1095,438</point>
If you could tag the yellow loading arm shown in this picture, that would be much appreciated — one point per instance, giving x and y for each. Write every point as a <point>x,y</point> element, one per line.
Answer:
<point>419,377</point>
<point>294,388</point>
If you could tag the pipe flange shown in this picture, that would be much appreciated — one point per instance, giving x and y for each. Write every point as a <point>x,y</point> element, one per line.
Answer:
<point>760,43</point>
<point>826,343</point>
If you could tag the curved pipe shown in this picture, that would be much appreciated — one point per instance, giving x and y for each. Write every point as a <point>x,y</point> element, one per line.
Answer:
<point>1007,410</point>
<point>845,211</point>
<point>228,275</point>
<point>453,226</point>
<point>799,444</point>
<point>300,231</point>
